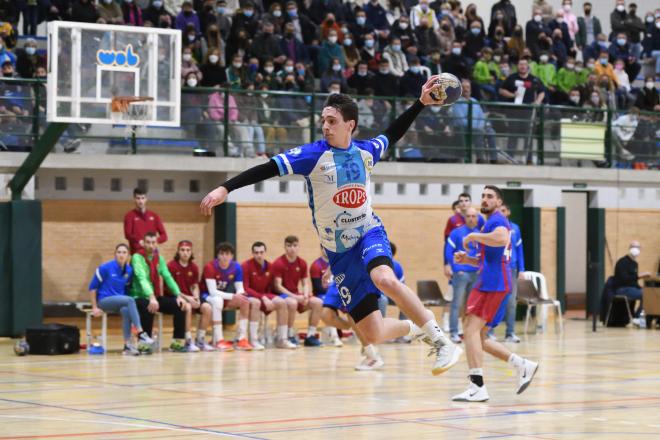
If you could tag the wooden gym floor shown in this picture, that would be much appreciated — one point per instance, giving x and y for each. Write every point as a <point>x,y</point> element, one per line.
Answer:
<point>603,385</point>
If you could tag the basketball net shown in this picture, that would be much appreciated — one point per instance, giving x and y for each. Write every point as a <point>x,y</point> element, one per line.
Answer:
<point>128,109</point>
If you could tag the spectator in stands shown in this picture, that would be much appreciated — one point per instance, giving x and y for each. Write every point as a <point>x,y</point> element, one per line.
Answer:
<point>570,19</point>
<point>485,73</point>
<point>319,9</point>
<point>604,67</point>
<point>149,268</point>
<point>498,41</point>
<point>266,45</point>
<point>139,221</point>
<point>361,27</point>
<point>426,38</point>
<point>291,281</point>
<point>575,100</point>
<point>559,24</point>
<point>333,73</point>
<point>502,13</point>
<point>401,29</point>
<point>559,49</point>
<point>254,134</point>
<point>475,41</point>
<point>597,105</point>
<point>213,40</point>
<point>545,71</point>
<point>154,11</point>
<point>394,54</point>
<point>329,51</point>
<point>189,65</point>
<point>385,83</point>
<point>274,16</point>
<point>186,16</point>
<point>516,44</point>
<point>236,72</point>
<point>304,28</point>
<point>620,49</point>
<point>588,27</point>
<point>533,28</point>
<point>369,52</point>
<point>292,47</point>
<point>647,97</point>
<point>27,59</point>
<point>623,130</point>
<point>193,40</point>
<point>462,277</point>
<point>593,50</point>
<point>546,10</point>
<point>413,80</point>
<point>377,17</point>
<point>483,134</point>
<point>567,80</point>
<point>132,13</point>
<point>109,294</point>
<point>216,112</point>
<point>351,53</point>
<point>84,11</point>
<point>623,88</point>
<point>111,12</point>
<point>258,283</point>
<point>627,276</point>
<point>31,12</point>
<point>618,18</point>
<point>244,26</point>
<point>423,11</point>
<point>455,63</point>
<point>361,79</point>
<point>634,27</point>
<point>651,41</point>
<point>10,12</point>
<point>165,21</point>
<point>446,36</point>
<point>304,78</point>
<point>186,275</point>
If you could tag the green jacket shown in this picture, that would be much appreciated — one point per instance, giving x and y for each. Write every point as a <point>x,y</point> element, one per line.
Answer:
<point>582,76</point>
<point>483,71</point>
<point>547,73</point>
<point>566,79</point>
<point>142,286</point>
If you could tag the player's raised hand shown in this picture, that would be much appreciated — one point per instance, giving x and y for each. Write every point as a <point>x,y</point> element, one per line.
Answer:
<point>460,257</point>
<point>425,97</point>
<point>216,197</point>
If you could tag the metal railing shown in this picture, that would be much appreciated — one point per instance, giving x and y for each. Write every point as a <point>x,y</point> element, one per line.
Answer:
<point>228,122</point>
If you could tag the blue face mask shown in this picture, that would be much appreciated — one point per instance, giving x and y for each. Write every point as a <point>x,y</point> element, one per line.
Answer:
<point>475,31</point>
<point>157,4</point>
<point>621,41</point>
<point>30,50</point>
<point>292,13</point>
<point>361,20</point>
<point>414,69</point>
<point>301,72</point>
<point>221,9</point>
<point>369,43</point>
<point>248,13</point>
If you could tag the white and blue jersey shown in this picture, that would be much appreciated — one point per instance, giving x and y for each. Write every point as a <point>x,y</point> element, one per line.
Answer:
<point>338,183</point>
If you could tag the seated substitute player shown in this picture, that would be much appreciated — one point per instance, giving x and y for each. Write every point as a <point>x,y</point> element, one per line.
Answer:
<point>223,284</point>
<point>290,272</point>
<point>320,286</point>
<point>186,274</point>
<point>258,283</point>
<point>487,302</point>
<point>337,170</point>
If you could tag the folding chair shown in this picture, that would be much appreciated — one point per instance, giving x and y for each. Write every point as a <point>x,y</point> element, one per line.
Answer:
<point>530,295</point>
<point>430,294</point>
<point>626,301</point>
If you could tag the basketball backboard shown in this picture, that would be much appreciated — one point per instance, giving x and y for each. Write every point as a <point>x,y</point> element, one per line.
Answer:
<point>89,64</point>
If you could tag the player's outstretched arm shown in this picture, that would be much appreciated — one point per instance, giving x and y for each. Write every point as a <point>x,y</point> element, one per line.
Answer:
<point>398,128</point>
<point>248,177</point>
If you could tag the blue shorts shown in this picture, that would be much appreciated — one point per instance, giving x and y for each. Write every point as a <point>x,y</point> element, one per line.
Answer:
<point>332,300</point>
<point>202,297</point>
<point>350,268</point>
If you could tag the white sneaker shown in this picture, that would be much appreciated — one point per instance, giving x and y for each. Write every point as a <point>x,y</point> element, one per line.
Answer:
<point>256,345</point>
<point>191,347</point>
<point>286,344</point>
<point>145,338</point>
<point>368,364</point>
<point>455,339</point>
<point>334,342</point>
<point>446,356</point>
<point>472,394</point>
<point>526,374</point>
<point>512,338</point>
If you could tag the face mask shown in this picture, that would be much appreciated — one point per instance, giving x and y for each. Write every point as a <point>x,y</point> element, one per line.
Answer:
<point>348,42</point>
<point>191,38</point>
<point>603,44</point>
<point>618,67</point>
<point>497,58</point>
<point>587,11</point>
<point>277,13</point>
<point>604,61</point>
<point>30,50</point>
<point>213,59</point>
<point>570,66</point>
<point>334,92</point>
<point>567,8</point>
<point>499,17</point>
<point>590,65</point>
<point>620,8</point>
<point>403,26</point>
<point>538,18</point>
<point>560,20</point>
<point>248,13</point>
<point>369,43</point>
<point>396,47</point>
<point>157,4</point>
<point>414,69</point>
<point>543,58</point>
<point>192,82</point>
<point>595,100</point>
<point>621,41</point>
<point>650,85</point>
<point>384,71</point>
<point>292,12</point>
<point>575,99</point>
<point>361,20</point>
<point>475,31</point>
<point>456,50</point>
<point>634,251</point>
<point>269,69</point>
<point>332,40</point>
<point>649,19</point>
<point>336,67</point>
<point>517,33</point>
<point>363,74</point>
<point>505,71</point>
<point>264,95</point>
<point>187,57</point>
<point>435,108</point>
<point>579,69</point>
<point>237,65</point>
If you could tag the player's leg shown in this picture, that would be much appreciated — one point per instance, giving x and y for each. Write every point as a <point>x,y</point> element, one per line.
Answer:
<point>472,338</point>
<point>292,308</point>
<point>168,306</point>
<point>371,358</point>
<point>205,316</point>
<point>218,341</point>
<point>146,317</point>
<point>314,306</point>
<point>190,345</point>
<point>282,311</point>
<point>255,316</point>
<point>510,316</point>
<point>242,303</point>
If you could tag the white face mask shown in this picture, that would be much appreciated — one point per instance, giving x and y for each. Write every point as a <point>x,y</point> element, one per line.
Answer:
<point>456,50</point>
<point>334,92</point>
<point>620,8</point>
<point>269,69</point>
<point>336,67</point>
<point>505,71</point>
<point>560,20</point>
<point>595,100</point>
<point>570,66</point>
<point>384,71</point>
<point>277,13</point>
<point>332,40</point>
<point>187,57</point>
<point>288,69</point>
<point>538,18</point>
<point>567,8</point>
<point>403,26</point>
<point>543,58</point>
<point>650,85</point>
<point>590,65</point>
<point>497,58</point>
<point>192,82</point>
<point>347,42</point>
<point>30,50</point>
<point>238,65</point>
<point>575,98</point>
<point>657,24</point>
<point>635,251</point>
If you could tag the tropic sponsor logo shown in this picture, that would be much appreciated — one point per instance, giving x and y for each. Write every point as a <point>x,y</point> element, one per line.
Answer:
<point>351,197</point>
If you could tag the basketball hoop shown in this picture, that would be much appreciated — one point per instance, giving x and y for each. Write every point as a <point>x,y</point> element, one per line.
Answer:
<point>129,109</point>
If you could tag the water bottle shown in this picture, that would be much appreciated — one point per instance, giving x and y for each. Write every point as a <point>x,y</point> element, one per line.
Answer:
<point>642,319</point>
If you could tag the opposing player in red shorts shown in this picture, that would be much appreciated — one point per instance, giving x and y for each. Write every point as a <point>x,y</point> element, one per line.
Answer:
<point>486,304</point>
<point>258,283</point>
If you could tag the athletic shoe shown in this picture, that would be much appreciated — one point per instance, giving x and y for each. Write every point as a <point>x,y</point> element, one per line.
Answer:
<point>191,347</point>
<point>368,364</point>
<point>526,374</point>
<point>145,348</point>
<point>334,342</point>
<point>512,338</point>
<point>202,345</point>
<point>130,350</point>
<point>285,343</point>
<point>446,356</point>
<point>294,341</point>
<point>224,346</point>
<point>178,347</point>
<point>455,339</point>
<point>312,341</point>
<point>474,393</point>
<point>145,338</point>
<point>256,345</point>
<point>243,345</point>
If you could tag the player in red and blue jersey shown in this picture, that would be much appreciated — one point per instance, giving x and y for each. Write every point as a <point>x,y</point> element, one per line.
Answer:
<point>486,304</point>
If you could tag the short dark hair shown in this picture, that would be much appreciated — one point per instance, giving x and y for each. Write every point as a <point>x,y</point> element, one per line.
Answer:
<point>290,239</point>
<point>464,194</point>
<point>257,244</point>
<point>139,192</point>
<point>225,247</point>
<point>345,105</point>
<point>393,247</point>
<point>454,204</point>
<point>150,234</point>
<point>123,245</point>
<point>496,190</point>
<point>586,3</point>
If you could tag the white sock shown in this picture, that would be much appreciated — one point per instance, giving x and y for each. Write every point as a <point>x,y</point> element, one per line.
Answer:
<point>281,332</point>
<point>332,332</point>
<point>242,329</point>
<point>291,332</point>
<point>217,333</point>
<point>476,372</point>
<point>414,329</point>
<point>188,336</point>
<point>254,330</point>
<point>201,335</point>
<point>433,331</point>
<point>370,351</point>
<point>311,331</point>
<point>516,361</point>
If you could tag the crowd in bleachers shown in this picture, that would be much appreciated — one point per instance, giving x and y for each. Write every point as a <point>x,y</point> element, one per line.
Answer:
<point>378,47</point>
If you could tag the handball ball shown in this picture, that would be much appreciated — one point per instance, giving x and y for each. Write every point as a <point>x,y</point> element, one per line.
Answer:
<point>21,348</point>
<point>447,89</point>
